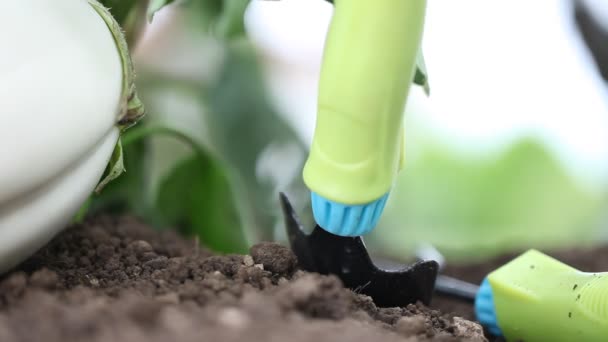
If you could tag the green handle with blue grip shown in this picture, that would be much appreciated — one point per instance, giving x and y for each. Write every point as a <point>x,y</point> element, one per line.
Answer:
<point>536,298</point>
<point>368,67</point>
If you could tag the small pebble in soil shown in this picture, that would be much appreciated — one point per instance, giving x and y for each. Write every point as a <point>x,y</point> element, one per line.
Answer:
<point>467,329</point>
<point>411,326</point>
<point>140,247</point>
<point>248,261</point>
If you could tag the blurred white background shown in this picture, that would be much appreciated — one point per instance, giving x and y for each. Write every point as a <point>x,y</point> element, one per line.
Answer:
<point>499,70</point>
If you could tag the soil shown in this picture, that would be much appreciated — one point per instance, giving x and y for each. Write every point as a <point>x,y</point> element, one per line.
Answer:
<point>115,279</point>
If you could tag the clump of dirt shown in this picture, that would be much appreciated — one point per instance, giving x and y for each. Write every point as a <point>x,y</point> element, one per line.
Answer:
<point>115,279</point>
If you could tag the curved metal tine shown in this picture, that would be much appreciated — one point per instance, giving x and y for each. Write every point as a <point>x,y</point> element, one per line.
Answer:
<point>292,222</point>
<point>348,258</point>
<point>322,251</point>
<point>298,240</point>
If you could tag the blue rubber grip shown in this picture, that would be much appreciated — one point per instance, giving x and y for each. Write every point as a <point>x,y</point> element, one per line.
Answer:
<point>347,220</point>
<point>485,310</point>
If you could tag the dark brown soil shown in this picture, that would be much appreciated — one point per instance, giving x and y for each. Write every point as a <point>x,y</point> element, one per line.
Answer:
<point>114,279</point>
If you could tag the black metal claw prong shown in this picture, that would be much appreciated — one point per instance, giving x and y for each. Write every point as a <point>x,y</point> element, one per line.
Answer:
<point>298,240</point>
<point>347,257</point>
<point>294,228</point>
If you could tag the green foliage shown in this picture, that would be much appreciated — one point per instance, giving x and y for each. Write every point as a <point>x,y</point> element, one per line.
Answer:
<point>196,193</point>
<point>243,121</point>
<point>115,167</point>
<point>212,195</point>
<point>479,207</point>
<point>230,21</point>
<point>155,6</point>
<point>121,9</point>
<point>126,193</point>
<point>221,18</point>
<point>195,197</point>
<point>243,125</point>
<point>133,14</point>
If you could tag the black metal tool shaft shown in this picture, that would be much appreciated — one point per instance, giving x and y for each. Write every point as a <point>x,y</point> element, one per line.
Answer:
<point>455,288</point>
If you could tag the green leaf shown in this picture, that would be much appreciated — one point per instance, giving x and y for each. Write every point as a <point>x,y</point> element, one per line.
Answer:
<point>120,9</point>
<point>130,15</point>
<point>230,23</point>
<point>127,193</point>
<point>243,125</point>
<point>223,18</point>
<point>197,198</point>
<point>155,6</point>
<point>131,109</point>
<point>115,167</point>
<point>194,196</point>
<point>421,77</point>
<point>82,212</point>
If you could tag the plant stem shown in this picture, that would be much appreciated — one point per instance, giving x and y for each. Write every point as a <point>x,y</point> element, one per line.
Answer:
<point>140,132</point>
<point>131,108</point>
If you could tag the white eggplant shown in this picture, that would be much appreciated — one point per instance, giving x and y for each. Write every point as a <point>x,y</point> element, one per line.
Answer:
<point>65,94</point>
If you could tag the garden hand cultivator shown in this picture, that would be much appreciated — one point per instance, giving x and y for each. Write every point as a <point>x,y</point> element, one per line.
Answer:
<point>369,63</point>
<point>347,258</point>
<point>531,298</point>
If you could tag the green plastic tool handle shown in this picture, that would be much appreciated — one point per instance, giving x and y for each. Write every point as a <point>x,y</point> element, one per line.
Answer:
<point>368,66</point>
<point>538,298</point>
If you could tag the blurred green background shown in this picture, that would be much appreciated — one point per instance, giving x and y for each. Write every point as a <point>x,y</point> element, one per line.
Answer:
<point>216,148</point>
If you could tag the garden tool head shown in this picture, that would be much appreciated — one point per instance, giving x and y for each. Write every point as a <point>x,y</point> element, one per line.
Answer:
<point>347,258</point>
<point>537,298</point>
